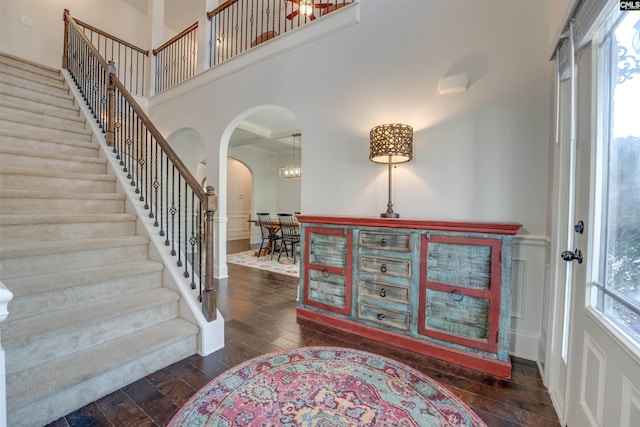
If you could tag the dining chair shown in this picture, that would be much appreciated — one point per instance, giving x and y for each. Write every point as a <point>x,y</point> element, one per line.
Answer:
<point>290,233</point>
<point>269,232</point>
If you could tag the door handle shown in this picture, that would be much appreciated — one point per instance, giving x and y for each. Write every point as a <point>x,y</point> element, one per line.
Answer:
<point>572,256</point>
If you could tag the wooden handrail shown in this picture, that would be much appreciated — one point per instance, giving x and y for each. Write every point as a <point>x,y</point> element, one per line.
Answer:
<point>114,38</point>
<point>176,37</point>
<point>175,159</point>
<point>220,8</point>
<point>68,18</point>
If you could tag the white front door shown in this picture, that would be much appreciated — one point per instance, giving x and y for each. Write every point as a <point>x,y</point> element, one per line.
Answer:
<point>564,183</point>
<point>603,378</point>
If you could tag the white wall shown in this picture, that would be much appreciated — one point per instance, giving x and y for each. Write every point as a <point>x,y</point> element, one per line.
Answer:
<point>479,155</point>
<point>42,41</point>
<point>240,193</point>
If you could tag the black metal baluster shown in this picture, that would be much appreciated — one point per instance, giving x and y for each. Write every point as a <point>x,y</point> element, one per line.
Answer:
<point>138,159</point>
<point>144,159</point>
<point>154,193</point>
<point>187,236</point>
<point>193,240</point>
<point>173,210</point>
<point>117,143</point>
<point>179,238</point>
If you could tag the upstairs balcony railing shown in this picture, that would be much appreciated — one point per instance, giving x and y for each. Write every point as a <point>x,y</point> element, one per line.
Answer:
<point>131,60</point>
<point>181,210</point>
<point>238,25</point>
<point>176,59</point>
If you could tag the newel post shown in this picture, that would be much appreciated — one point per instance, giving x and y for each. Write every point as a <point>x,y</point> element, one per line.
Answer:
<point>110,103</point>
<point>209,291</point>
<point>65,58</point>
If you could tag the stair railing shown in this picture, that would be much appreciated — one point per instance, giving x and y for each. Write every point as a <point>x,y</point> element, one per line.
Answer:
<point>181,209</point>
<point>129,58</point>
<point>176,59</point>
<point>239,25</point>
<point>5,298</point>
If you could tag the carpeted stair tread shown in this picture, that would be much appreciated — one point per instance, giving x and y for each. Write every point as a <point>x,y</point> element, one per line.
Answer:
<point>48,155</point>
<point>25,74</point>
<point>54,195</point>
<point>14,95</point>
<point>35,328</point>
<point>66,202</point>
<point>58,290</point>
<point>10,89</point>
<point>9,170</point>
<point>29,386</point>
<point>42,87</point>
<point>8,135</point>
<point>38,227</point>
<point>29,219</point>
<point>49,127</point>
<point>54,281</point>
<point>14,109</point>
<point>14,250</point>
<point>33,68</point>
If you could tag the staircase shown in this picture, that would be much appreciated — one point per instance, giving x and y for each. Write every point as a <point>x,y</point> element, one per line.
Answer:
<point>90,313</point>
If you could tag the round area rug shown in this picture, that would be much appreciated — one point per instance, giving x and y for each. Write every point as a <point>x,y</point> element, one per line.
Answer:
<point>324,386</point>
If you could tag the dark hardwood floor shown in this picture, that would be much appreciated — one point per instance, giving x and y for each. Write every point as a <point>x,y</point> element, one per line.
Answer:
<point>259,310</point>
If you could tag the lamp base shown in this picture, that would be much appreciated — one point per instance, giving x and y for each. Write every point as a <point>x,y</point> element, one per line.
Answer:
<point>389,215</point>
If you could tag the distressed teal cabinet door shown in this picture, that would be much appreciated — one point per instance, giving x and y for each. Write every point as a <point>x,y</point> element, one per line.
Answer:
<point>327,274</point>
<point>460,290</point>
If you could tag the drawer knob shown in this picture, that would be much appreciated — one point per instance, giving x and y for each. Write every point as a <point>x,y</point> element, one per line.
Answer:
<point>380,316</point>
<point>456,295</point>
<point>383,292</point>
<point>383,242</point>
<point>383,268</point>
<point>325,272</point>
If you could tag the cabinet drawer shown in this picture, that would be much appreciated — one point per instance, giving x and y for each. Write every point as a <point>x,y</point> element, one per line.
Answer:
<point>457,314</point>
<point>384,291</point>
<point>459,264</point>
<point>383,316</point>
<point>400,242</point>
<point>327,290</point>
<point>385,266</point>
<point>328,250</point>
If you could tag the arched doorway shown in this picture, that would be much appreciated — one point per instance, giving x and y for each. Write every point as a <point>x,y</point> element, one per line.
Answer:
<point>261,139</point>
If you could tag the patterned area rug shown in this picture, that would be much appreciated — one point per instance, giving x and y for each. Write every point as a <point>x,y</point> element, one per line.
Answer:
<point>249,258</point>
<point>324,386</point>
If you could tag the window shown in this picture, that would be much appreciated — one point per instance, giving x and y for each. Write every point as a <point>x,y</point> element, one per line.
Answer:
<point>616,291</point>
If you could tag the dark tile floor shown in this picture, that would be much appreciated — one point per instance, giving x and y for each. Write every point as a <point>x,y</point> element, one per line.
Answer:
<point>259,312</point>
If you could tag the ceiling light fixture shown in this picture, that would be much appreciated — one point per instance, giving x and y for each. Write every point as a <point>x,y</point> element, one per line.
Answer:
<point>294,170</point>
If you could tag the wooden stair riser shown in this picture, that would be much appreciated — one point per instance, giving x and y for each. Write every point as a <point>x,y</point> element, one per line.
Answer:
<point>30,202</point>
<point>74,338</point>
<point>12,180</point>
<point>61,296</point>
<point>51,262</point>
<point>34,408</point>
<point>66,231</point>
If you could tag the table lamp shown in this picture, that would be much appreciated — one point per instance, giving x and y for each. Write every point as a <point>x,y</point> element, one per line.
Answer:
<point>391,143</point>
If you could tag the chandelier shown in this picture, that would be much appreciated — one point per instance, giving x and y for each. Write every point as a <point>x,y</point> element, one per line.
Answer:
<point>294,170</point>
